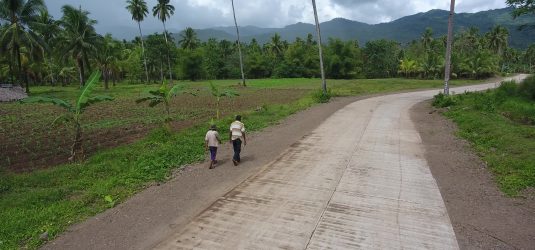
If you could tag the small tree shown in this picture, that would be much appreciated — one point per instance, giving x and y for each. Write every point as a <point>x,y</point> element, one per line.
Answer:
<point>163,95</point>
<point>218,93</point>
<point>75,112</point>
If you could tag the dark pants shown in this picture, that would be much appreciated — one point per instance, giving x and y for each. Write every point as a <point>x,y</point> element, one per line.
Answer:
<point>213,153</point>
<point>236,144</point>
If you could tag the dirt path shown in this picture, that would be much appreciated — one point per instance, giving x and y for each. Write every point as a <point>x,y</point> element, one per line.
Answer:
<point>482,216</point>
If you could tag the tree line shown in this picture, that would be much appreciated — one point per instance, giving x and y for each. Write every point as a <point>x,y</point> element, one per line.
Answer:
<point>36,49</point>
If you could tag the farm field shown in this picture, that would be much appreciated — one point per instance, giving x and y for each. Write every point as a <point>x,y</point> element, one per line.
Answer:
<point>126,148</point>
<point>31,141</point>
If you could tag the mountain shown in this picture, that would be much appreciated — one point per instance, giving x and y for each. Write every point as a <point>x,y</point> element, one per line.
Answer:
<point>402,30</point>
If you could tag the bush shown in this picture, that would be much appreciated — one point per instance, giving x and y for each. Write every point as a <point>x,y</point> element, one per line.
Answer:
<point>321,97</point>
<point>442,100</point>
<point>527,88</point>
<point>509,88</point>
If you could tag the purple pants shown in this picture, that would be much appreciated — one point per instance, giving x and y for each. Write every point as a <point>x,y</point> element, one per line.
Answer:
<point>213,153</point>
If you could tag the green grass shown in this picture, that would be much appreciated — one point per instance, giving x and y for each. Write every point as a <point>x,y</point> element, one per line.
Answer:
<point>50,200</point>
<point>500,126</point>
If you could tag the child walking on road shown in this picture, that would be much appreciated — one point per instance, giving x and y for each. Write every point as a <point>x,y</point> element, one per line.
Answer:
<point>212,141</point>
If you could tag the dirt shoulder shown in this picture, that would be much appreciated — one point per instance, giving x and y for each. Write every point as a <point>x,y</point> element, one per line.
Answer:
<point>481,215</point>
<point>152,215</point>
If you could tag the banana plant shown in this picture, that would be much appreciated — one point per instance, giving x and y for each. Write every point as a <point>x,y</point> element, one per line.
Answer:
<point>164,95</point>
<point>219,93</point>
<point>75,112</point>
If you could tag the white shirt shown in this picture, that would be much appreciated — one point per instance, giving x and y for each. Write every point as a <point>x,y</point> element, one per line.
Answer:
<point>237,128</point>
<point>212,138</point>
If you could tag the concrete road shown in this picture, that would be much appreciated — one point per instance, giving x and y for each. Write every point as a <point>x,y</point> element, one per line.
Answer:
<point>360,180</point>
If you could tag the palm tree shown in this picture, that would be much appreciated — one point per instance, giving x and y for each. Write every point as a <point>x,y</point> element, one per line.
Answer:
<point>79,39</point>
<point>447,70</point>
<point>139,10</point>
<point>497,39</point>
<point>19,14</point>
<point>239,44</point>
<point>163,10</point>
<point>324,82</point>
<point>106,57</point>
<point>427,38</point>
<point>275,45</point>
<point>189,39</point>
<point>48,29</point>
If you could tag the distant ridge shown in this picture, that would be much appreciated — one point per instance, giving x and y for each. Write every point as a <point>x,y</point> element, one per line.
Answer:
<point>403,30</point>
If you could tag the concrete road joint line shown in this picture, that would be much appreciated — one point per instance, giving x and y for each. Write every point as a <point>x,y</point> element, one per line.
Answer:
<point>355,149</point>
<point>359,180</point>
<point>400,185</point>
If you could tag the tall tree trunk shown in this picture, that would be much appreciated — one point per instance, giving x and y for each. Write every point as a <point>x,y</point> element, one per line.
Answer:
<point>161,68</point>
<point>168,52</point>
<point>22,74</point>
<point>239,45</point>
<point>318,32</point>
<point>447,70</point>
<point>81,71</point>
<point>143,52</point>
<point>86,62</point>
<point>106,78</point>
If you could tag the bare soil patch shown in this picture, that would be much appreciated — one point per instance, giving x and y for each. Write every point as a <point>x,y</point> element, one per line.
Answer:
<point>482,216</point>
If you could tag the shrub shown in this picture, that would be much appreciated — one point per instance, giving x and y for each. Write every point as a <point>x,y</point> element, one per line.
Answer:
<point>321,97</point>
<point>440,100</point>
<point>527,88</point>
<point>509,88</point>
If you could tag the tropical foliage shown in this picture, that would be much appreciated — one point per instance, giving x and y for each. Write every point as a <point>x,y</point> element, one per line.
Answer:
<point>75,111</point>
<point>37,49</point>
<point>163,95</point>
<point>219,93</point>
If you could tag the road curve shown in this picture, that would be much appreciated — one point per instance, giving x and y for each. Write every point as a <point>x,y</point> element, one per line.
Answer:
<point>359,180</point>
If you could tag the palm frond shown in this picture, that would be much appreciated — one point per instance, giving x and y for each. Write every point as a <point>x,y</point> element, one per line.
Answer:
<point>99,98</point>
<point>175,90</point>
<point>51,100</point>
<point>86,91</point>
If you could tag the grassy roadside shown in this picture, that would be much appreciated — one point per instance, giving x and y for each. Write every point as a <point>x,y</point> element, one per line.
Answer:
<point>51,200</point>
<point>500,124</point>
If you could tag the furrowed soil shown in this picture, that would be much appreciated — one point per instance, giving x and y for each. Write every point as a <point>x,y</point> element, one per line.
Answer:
<point>30,140</point>
<point>152,215</point>
<point>482,216</point>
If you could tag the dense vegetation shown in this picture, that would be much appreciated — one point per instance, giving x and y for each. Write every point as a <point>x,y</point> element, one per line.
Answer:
<point>501,126</point>
<point>37,49</point>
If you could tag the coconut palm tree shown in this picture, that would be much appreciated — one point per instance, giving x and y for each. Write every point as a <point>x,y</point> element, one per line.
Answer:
<point>79,38</point>
<point>106,57</point>
<point>447,69</point>
<point>19,14</point>
<point>163,11</point>
<point>427,39</point>
<point>139,10</point>
<point>497,39</point>
<point>239,44</point>
<point>276,46</point>
<point>189,39</point>
<point>323,81</point>
<point>48,29</point>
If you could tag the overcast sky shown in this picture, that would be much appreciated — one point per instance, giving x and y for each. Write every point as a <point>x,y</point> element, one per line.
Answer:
<point>112,14</point>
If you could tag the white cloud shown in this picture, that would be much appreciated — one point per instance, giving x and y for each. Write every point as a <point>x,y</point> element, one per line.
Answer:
<point>264,13</point>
